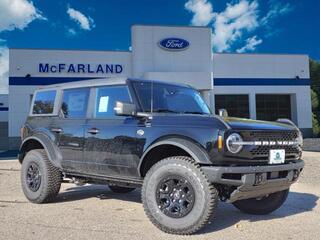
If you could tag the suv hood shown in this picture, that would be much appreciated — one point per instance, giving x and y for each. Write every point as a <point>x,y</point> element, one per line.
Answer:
<point>249,124</point>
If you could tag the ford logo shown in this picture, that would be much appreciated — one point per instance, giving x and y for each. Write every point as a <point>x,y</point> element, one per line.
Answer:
<point>174,44</point>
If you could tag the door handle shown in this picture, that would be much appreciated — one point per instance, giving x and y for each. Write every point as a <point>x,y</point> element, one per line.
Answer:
<point>56,130</point>
<point>93,131</point>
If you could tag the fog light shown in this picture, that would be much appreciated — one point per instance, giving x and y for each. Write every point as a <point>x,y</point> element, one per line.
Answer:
<point>296,174</point>
<point>258,179</point>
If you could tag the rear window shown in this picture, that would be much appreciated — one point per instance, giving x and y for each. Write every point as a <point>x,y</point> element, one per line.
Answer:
<point>44,102</point>
<point>75,103</point>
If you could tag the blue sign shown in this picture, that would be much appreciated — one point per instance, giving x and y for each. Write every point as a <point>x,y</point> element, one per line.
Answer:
<point>174,44</point>
<point>80,68</point>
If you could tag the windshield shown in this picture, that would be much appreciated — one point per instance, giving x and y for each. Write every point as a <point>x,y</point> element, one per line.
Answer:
<point>170,98</point>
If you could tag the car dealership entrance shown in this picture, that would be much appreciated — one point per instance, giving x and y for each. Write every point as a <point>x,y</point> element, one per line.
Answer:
<point>258,86</point>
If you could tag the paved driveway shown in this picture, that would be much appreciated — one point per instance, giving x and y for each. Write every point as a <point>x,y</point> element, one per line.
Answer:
<point>94,212</point>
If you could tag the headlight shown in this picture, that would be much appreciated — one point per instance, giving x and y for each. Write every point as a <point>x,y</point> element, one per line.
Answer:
<point>232,141</point>
<point>300,139</point>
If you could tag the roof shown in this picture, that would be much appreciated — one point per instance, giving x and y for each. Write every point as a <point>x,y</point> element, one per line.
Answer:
<point>105,82</point>
<point>88,83</point>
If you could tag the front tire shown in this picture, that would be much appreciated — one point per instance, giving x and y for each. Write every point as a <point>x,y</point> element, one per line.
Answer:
<point>177,197</point>
<point>262,206</point>
<point>40,180</point>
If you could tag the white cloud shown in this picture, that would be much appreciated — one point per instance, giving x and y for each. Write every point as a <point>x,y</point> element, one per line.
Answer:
<point>71,32</point>
<point>236,19</point>
<point>276,9</point>
<point>14,14</point>
<point>202,10</point>
<point>17,14</point>
<point>251,44</point>
<point>4,69</point>
<point>239,19</point>
<point>86,23</point>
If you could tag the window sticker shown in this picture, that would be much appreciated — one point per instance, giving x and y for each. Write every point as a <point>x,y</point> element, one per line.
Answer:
<point>103,104</point>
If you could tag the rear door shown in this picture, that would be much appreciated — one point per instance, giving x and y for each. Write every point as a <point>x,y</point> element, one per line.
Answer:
<point>111,146</point>
<point>69,128</point>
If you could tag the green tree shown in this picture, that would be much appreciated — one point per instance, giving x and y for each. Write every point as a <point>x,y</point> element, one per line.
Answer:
<point>315,95</point>
<point>314,100</point>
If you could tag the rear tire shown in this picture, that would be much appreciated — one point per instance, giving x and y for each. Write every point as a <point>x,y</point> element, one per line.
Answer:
<point>177,197</point>
<point>40,180</point>
<point>119,189</point>
<point>262,206</point>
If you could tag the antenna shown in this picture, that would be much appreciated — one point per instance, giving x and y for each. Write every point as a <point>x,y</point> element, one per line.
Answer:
<point>151,108</point>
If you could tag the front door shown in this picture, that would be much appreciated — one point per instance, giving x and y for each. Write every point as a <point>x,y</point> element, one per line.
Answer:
<point>111,145</point>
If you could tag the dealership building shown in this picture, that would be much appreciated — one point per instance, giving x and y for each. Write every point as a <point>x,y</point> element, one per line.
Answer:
<point>257,86</point>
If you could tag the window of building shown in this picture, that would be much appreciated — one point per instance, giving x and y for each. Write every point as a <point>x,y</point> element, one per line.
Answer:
<point>270,107</point>
<point>75,102</point>
<point>107,98</point>
<point>236,105</point>
<point>44,102</point>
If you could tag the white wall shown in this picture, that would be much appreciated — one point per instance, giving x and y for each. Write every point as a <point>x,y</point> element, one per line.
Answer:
<point>150,60</point>
<point>260,66</point>
<point>26,61</point>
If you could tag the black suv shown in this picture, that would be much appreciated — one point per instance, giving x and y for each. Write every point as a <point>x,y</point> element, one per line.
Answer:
<point>129,133</point>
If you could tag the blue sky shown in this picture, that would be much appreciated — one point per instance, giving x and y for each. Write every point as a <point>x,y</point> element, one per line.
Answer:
<point>258,26</point>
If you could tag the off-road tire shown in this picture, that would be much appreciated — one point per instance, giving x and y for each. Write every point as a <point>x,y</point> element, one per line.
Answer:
<point>51,177</point>
<point>206,196</point>
<point>119,189</point>
<point>264,205</point>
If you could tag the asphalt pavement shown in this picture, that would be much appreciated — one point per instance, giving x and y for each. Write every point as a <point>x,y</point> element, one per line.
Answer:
<point>94,212</point>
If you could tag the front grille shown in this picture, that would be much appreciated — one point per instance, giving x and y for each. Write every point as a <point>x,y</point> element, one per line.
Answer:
<point>273,136</point>
<point>262,152</point>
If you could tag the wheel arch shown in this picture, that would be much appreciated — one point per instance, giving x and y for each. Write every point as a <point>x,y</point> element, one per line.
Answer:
<point>173,146</point>
<point>41,141</point>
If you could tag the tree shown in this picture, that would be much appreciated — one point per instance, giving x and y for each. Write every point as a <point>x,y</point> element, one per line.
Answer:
<point>315,95</point>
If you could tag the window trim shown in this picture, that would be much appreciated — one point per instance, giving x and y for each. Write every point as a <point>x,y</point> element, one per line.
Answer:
<point>91,114</point>
<point>55,104</point>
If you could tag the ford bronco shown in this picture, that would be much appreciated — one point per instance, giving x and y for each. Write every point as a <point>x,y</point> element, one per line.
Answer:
<point>129,133</point>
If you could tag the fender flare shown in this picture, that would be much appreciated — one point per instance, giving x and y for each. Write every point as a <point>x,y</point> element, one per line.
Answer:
<point>194,150</point>
<point>51,149</point>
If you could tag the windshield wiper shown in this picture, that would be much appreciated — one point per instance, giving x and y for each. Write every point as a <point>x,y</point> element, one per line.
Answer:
<point>195,112</point>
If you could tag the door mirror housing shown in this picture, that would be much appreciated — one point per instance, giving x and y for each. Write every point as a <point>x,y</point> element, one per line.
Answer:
<point>125,109</point>
<point>223,112</point>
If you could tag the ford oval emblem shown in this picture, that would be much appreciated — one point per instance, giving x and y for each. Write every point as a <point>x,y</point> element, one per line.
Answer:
<point>174,44</point>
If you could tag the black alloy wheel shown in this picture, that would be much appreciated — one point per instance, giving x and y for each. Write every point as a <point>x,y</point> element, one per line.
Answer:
<point>33,177</point>
<point>175,196</point>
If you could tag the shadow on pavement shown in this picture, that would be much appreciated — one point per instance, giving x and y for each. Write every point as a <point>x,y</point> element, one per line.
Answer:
<point>97,191</point>
<point>226,215</point>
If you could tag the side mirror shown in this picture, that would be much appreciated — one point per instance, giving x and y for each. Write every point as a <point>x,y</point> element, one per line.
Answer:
<point>125,109</point>
<point>223,113</point>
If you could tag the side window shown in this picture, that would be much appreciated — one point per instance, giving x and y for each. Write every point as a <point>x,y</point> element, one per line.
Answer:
<point>75,102</point>
<point>106,100</point>
<point>44,102</point>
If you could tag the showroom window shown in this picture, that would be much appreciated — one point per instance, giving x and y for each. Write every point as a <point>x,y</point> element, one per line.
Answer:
<point>236,105</point>
<point>270,107</point>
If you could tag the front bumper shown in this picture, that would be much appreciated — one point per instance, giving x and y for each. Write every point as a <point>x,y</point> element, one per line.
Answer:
<point>254,181</point>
